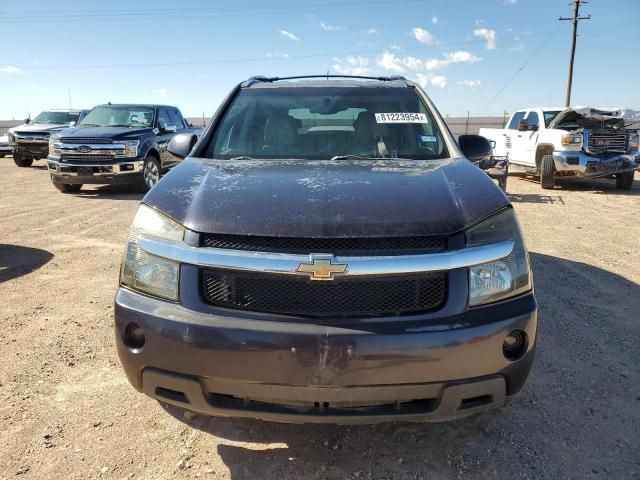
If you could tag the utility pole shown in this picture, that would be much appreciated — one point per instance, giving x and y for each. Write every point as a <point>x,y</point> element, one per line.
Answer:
<point>575,19</point>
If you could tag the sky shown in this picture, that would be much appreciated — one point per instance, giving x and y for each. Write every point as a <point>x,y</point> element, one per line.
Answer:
<point>485,57</point>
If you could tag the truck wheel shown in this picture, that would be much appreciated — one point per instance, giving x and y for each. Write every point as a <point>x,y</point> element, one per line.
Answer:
<point>624,181</point>
<point>22,161</point>
<point>547,172</point>
<point>68,188</point>
<point>150,172</point>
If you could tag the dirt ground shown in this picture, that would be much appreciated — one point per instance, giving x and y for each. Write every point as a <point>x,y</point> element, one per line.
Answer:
<point>67,411</point>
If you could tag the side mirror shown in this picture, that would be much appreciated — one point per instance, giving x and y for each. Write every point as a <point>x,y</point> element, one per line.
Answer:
<point>27,121</point>
<point>180,145</point>
<point>475,147</point>
<point>523,125</point>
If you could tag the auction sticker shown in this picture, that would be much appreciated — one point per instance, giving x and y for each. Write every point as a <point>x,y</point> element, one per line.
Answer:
<point>401,118</point>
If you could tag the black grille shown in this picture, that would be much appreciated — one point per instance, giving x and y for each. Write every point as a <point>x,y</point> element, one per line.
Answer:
<point>86,140</point>
<point>336,246</point>
<point>342,297</point>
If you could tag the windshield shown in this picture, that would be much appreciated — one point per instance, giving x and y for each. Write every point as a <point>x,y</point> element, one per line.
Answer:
<point>549,116</point>
<point>56,117</point>
<point>324,122</point>
<point>115,116</point>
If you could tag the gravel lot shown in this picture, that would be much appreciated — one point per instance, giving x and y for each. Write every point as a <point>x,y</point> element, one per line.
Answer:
<point>67,411</point>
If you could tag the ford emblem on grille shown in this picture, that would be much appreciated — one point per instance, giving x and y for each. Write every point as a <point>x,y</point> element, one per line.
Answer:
<point>84,149</point>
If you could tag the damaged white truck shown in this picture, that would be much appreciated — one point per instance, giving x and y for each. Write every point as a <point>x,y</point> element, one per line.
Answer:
<point>579,141</point>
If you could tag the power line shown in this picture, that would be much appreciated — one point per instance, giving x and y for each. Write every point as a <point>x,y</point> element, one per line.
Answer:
<point>517,72</point>
<point>575,19</point>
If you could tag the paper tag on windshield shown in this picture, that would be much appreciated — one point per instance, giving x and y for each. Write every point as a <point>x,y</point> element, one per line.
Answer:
<point>401,118</point>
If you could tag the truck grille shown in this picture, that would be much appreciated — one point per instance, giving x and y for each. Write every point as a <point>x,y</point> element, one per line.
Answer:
<point>601,141</point>
<point>336,246</point>
<point>85,158</point>
<point>86,140</point>
<point>342,297</point>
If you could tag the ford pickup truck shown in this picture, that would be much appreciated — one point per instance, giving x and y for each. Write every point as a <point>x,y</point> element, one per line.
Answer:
<point>30,141</point>
<point>580,141</point>
<point>327,254</point>
<point>116,144</point>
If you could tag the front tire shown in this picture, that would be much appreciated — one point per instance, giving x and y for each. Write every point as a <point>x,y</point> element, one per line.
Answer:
<point>624,181</point>
<point>150,172</point>
<point>68,188</point>
<point>22,161</point>
<point>547,172</point>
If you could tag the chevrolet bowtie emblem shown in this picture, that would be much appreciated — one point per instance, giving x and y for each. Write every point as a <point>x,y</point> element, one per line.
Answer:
<point>322,269</point>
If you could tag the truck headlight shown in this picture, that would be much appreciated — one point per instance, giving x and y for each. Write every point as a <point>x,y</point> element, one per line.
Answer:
<point>54,145</point>
<point>10,137</point>
<point>145,272</point>
<point>130,148</point>
<point>572,139</point>
<point>504,278</point>
<point>634,141</point>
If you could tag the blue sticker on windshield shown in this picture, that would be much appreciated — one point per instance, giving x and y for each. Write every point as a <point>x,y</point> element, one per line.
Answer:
<point>425,140</point>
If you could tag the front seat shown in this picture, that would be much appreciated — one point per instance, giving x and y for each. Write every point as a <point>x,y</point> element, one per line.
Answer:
<point>280,135</point>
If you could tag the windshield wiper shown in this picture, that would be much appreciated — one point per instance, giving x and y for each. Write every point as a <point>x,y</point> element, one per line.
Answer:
<point>89,125</point>
<point>360,157</point>
<point>117,125</point>
<point>242,157</point>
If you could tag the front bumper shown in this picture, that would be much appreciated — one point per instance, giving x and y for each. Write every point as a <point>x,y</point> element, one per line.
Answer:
<point>593,167</point>
<point>108,172</point>
<point>35,150</point>
<point>325,373</point>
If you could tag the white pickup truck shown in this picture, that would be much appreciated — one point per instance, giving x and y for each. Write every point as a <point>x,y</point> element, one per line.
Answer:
<point>581,141</point>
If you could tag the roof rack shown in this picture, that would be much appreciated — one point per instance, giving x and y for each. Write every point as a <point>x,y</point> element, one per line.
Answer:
<point>262,79</point>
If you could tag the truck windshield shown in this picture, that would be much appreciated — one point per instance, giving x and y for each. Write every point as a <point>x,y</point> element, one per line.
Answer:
<point>549,116</point>
<point>119,116</point>
<point>327,122</point>
<point>56,117</point>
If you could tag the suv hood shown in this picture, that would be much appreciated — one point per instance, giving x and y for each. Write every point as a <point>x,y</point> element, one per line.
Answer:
<point>343,198</point>
<point>38,127</point>
<point>105,132</point>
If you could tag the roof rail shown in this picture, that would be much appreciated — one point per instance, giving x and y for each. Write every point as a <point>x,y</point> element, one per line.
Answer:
<point>261,79</point>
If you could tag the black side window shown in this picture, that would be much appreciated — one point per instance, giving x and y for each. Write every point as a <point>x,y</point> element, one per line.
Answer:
<point>533,119</point>
<point>513,125</point>
<point>163,118</point>
<point>176,118</point>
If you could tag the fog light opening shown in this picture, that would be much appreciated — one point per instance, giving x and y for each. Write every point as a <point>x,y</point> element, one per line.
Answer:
<point>134,336</point>
<point>514,344</point>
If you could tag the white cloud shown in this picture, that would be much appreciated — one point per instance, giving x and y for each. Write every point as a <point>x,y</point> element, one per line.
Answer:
<point>454,57</point>
<point>329,27</point>
<point>423,36</point>
<point>11,69</point>
<point>277,55</point>
<point>488,35</point>
<point>434,20</point>
<point>354,66</point>
<point>395,46</point>
<point>161,92</point>
<point>392,63</point>
<point>470,84</point>
<point>429,80</point>
<point>371,31</point>
<point>289,35</point>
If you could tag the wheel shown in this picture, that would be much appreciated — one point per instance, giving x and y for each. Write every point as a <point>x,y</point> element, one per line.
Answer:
<point>150,172</point>
<point>624,181</point>
<point>21,160</point>
<point>68,188</point>
<point>547,172</point>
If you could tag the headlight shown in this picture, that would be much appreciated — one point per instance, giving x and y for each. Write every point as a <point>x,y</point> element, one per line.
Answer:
<point>10,137</point>
<point>130,148</point>
<point>54,145</point>
<point>503,278</point>
<point>572,139</point>
<point>145,272</point>
<point>634,141</point>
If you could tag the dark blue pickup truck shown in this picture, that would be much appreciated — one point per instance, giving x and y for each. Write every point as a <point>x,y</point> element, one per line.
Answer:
<point>116,144</point>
